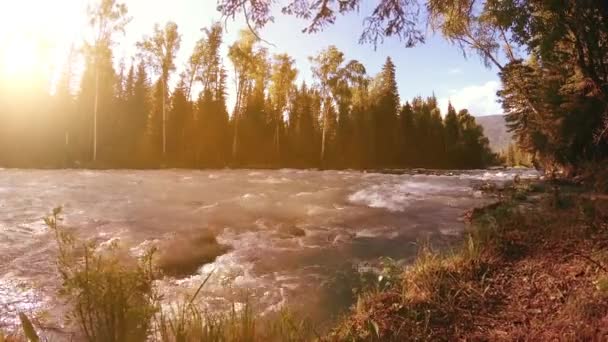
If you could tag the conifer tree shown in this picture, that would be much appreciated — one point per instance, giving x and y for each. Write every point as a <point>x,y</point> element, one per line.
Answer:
<point>407,135</point>
<point>452,135</point>
<point>179,112</point>
<point>385,115</point>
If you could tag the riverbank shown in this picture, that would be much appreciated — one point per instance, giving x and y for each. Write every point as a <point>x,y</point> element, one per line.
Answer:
<point>287,237</point>
<point>532,267</point>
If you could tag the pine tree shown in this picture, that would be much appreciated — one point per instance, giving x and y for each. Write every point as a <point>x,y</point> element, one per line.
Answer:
<point>208,132</point>
<point>138,111</point>
<point>408,135</point>
<point>452,136</point>
<point>303,135</point>
<point>179,112</point>
<point>476,151</point>
<point>385,116</point>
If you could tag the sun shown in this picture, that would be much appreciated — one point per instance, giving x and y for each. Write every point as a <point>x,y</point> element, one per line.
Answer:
<point>20,58</point>
<point>34,36</point>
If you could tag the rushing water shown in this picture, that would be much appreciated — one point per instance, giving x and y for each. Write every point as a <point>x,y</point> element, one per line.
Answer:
<point>348,218</point>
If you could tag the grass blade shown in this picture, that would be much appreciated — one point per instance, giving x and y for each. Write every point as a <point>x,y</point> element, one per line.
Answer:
<point>28,328</point>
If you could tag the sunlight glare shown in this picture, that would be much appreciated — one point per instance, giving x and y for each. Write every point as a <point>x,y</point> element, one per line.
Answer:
<point>34,36</point>
<point>19,58</point>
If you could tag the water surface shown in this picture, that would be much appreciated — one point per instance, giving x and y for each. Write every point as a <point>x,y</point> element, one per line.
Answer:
<point>347,218</point>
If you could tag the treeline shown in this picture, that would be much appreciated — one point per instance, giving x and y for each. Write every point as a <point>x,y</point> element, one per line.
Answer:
<point>129,117</point>
<point>552,57</point>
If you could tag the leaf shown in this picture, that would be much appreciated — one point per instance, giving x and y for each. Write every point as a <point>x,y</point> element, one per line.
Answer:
<point>28,328</point>
<point>376,328</point>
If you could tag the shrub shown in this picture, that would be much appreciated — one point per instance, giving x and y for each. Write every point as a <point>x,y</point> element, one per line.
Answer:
<point>114,299</point>
<point>112,295</point>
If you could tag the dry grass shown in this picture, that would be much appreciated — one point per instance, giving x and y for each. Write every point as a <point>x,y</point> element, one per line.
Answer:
<point>526,271</point>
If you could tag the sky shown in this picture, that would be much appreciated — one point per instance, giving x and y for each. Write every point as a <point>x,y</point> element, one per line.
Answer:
<point>434,67</point>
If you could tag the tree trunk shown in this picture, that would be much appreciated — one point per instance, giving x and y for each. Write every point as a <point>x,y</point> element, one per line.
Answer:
<point>95,107</point>
<point>235,136</point>
<point>277,142</point>
<point>164,121</point>
<point>323,136</point>
<point>237,107</point>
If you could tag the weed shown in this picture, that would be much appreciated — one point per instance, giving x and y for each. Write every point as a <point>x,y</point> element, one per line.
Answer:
<point>114,298</point>
<point>602,285</point>
<point>112,295</point>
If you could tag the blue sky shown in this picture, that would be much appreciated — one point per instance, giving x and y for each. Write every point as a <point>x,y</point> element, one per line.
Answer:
<point>432,67</point>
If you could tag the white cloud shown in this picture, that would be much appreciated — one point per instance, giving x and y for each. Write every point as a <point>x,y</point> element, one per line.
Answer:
<point>478,99</point>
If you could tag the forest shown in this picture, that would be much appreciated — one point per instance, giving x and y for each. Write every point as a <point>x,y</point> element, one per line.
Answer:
<point>129,116</point>
<point>551,57</point>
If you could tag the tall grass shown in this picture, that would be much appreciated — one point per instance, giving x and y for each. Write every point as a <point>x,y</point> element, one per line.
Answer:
<point>113,298</point>
<point>111,294</point>
<point>430,298</point>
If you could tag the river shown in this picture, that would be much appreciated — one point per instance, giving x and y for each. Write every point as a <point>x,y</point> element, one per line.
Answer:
<point>294,235</point>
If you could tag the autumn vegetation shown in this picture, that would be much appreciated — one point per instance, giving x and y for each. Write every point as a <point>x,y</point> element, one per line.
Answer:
<point>531,267</point>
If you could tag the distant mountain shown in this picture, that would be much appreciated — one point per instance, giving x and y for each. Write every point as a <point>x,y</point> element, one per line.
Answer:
<point>495,128</point>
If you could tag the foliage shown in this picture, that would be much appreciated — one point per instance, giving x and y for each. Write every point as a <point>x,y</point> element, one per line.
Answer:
<point>106,19</point>
<point>551,58</point>
<point>112,296</point>
<point>514,156</point>
<point>387,19</point>
<point>159,51</point>
<point>504,268</point>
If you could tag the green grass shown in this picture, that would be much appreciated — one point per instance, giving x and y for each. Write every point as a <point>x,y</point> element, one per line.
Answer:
<point>111,294</point>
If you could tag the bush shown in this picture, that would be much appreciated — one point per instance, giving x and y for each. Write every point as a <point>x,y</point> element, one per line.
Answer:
<point>114,299</point>
<point>112,295</point>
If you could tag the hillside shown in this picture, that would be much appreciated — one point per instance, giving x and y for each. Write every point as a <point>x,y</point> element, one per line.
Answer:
<point>495,128</point>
